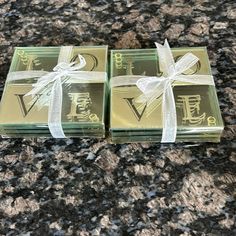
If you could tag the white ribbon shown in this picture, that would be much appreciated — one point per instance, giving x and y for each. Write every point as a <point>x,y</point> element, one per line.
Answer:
<point>52,82</point>
<point>153,87</point>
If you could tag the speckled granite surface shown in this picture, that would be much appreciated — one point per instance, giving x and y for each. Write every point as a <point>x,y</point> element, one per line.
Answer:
<point>90,187</point>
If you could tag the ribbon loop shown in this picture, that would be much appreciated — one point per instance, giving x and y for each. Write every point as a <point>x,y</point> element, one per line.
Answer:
<point>185,63</point>
<point>62,66</point>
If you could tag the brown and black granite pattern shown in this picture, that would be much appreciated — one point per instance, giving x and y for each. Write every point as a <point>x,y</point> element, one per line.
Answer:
<point>91,187</point>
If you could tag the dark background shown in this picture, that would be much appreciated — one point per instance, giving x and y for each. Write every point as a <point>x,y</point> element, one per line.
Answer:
<point>91,187</point>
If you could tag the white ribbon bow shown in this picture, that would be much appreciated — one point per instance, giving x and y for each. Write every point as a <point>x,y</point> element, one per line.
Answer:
<point>153,87</point>
<point>52,81</point>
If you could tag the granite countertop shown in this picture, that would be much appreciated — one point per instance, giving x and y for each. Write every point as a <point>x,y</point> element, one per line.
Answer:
<point>91,187</point>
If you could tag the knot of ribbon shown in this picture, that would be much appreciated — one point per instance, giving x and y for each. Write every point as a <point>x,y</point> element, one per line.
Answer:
<point>154,87</point>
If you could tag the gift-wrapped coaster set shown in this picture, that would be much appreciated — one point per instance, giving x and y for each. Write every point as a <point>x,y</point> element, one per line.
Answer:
<point>55,91</point>
<point>158,95</point>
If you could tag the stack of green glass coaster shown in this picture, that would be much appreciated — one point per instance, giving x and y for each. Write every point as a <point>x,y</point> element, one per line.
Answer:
<point>197,108</point>
<point>83,103</point>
